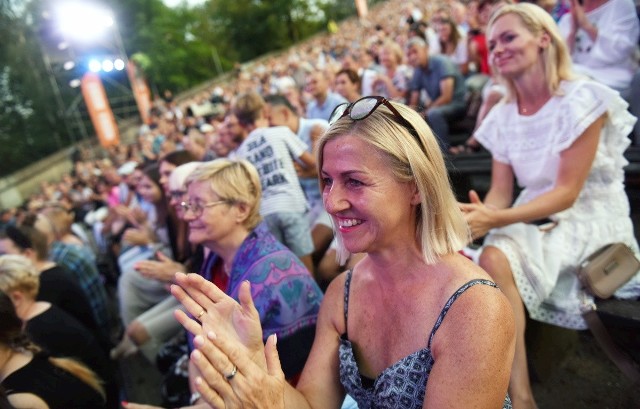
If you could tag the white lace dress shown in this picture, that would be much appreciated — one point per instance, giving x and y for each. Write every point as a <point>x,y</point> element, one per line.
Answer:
<point>544,264</point>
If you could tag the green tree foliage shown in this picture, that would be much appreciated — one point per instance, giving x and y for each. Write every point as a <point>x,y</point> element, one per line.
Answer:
<point>178,58</point>
<point>255,27</point>
<point>182,47</point>
<point>183,43</point>
<point>30,128</point>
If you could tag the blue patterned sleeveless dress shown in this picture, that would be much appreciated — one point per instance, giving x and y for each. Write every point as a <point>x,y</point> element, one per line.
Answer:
<point>403,384</point>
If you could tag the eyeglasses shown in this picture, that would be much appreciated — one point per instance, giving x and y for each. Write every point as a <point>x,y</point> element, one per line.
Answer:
<point>362,108</point>
<point>197,208</point>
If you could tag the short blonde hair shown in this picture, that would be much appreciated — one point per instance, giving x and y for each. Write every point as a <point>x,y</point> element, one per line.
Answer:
<point>395,50</point>
<point>555,57</point>
<point>440,225</point>
<point>18,273</point>
<point>236,181</point>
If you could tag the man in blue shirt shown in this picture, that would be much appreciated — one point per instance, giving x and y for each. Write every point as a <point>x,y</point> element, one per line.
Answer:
<point>324,101</point>
<point>437,89</point>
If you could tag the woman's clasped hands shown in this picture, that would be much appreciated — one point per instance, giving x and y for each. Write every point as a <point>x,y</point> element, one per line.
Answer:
<point>235,369</point>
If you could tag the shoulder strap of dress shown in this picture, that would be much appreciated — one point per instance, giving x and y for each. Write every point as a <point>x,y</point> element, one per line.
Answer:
<point>347,284</point>
<point>454,297</point>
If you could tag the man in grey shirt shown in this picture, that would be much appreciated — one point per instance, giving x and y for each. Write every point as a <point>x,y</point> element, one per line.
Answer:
<point>437,89</point>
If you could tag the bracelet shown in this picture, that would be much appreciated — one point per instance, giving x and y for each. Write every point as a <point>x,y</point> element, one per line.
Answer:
<point>195,396</point>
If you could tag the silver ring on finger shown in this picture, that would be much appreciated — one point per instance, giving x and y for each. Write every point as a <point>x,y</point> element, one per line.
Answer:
<point>233,373</point>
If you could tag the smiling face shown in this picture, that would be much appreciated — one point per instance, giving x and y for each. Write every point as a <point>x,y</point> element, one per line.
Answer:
<point>343,86</point>
<point>370,208</point>
<point>386,57</point>
<point>149,191</point>
<point>514,49</point>
<point>317,85</point>
<point>443,28</point>
<point>215,223</point>
<point>230,133</point>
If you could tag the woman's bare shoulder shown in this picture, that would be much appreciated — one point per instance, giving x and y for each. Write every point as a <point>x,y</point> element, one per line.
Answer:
<point>332,307</point>
<point>481,312</point>
<point>482,303</point>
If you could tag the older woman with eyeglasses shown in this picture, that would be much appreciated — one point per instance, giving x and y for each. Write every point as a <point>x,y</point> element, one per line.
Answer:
<point>414,324</point>
<point>223,215</point>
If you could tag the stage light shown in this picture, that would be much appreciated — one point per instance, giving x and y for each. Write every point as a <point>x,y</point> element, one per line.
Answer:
<point>118,64</point>
<point>83,22</point>
<point>94,65</point>
<point>68,65</point>
<point>74,83</point>
<point>107,65</point>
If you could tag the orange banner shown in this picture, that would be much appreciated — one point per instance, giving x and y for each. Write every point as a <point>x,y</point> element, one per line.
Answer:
<point>140,90</point>
<point>362,8</point>
<point>104,122</point>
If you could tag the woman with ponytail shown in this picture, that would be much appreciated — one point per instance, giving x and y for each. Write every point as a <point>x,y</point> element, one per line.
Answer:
<point>61,382</point>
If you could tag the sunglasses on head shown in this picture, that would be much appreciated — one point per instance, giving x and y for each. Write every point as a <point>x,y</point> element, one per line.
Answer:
<point>362,108</point>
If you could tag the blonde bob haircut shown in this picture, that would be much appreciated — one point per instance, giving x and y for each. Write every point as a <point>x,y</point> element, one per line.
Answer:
<point>234,181</point>
<point>555,57</point>
<point>440,226</point>
<point>17,273</point>
<point>395,50</point>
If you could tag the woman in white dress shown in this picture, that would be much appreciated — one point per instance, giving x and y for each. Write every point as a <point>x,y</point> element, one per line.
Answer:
<point>562,139</point>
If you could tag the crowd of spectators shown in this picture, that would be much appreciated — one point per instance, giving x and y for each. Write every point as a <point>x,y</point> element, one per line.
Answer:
<point>115,226</point>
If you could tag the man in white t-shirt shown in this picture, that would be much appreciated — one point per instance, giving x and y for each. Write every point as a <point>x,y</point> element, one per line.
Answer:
<point>281,113</point>
<point>270,150</point>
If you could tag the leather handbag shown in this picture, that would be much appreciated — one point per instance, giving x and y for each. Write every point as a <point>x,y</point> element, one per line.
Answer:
<point>608,269</point>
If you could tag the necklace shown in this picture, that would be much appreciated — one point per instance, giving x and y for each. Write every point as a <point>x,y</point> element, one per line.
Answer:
<point>526,111</point>
<point>521,108</point>
<point>533,106</point>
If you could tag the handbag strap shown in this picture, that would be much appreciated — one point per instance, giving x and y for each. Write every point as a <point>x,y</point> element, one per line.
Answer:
<point>602,336</point>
